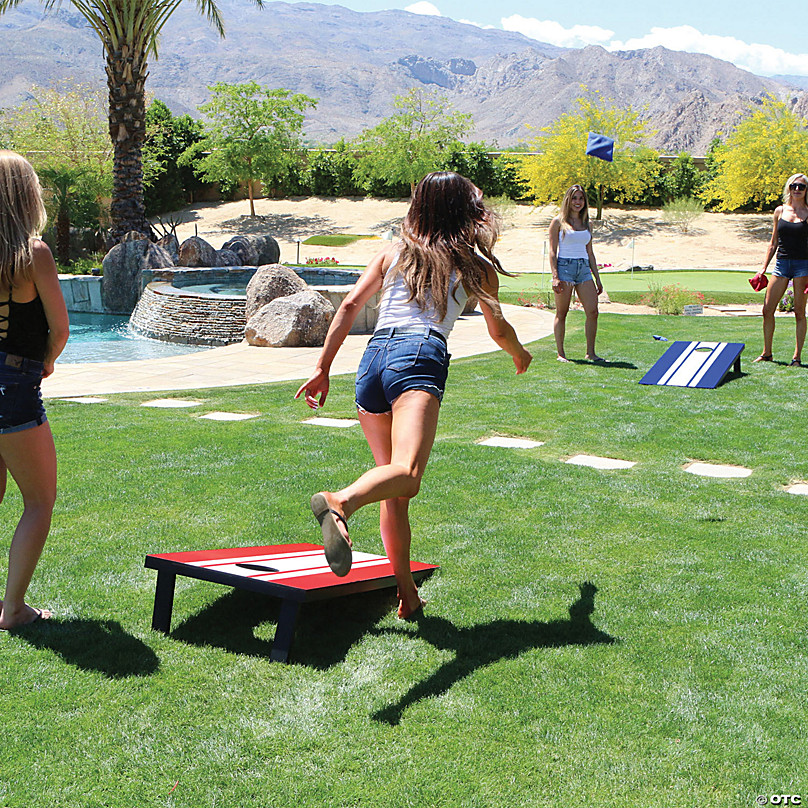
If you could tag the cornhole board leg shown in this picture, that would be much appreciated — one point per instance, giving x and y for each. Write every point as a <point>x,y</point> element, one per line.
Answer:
<point>285,632</point>
<point>163,601</point>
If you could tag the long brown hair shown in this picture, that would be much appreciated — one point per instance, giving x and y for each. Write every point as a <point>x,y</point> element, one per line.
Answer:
<point>22,216</point>
<point>447,221</point>
<point>566,208</point>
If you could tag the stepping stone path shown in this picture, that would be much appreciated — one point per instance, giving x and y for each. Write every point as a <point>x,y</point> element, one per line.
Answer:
<point>716,470</point>
<point>339,423</point>
<point>171,403</point>
<point>86,400</point>
<point>511,443</point>
<point>798,488</point>
<point>595,462</point>
<point>229,416</point>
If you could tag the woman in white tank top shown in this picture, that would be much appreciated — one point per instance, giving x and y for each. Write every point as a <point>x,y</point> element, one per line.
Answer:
<point>445,255</point>
<point>573,264</point>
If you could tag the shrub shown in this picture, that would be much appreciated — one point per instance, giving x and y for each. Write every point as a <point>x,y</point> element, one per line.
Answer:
<point>542,300</point>
<point>682,212</point>
<point>670,299</point>
<point>787,303</point>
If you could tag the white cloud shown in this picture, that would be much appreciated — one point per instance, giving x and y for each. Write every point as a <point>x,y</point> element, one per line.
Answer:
<point>765,60</point>
<point>423,7</point>
<point>555,34</point>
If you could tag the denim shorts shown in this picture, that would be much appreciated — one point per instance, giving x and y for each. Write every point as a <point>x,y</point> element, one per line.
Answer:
<point>574,270</point>
<point>790,267</point>
<point>397,360</point>
<point>20,399</point>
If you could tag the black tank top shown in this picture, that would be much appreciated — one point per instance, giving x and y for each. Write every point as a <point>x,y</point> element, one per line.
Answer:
<point>792,239</point>
<point>23,328</point>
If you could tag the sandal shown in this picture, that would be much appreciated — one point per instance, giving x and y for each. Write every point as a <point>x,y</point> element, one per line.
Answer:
<point>795,363</point>
<point>336,546</point>
<point>764,358</point>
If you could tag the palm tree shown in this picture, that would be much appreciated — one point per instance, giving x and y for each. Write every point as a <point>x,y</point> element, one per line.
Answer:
<point>129,31</point>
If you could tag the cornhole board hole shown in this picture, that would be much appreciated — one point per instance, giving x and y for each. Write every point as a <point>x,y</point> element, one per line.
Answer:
<point>295,573</point>
<point>695,364</point>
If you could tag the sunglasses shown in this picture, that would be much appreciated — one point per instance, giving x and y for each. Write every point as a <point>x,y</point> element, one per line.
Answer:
<point>797,186</point>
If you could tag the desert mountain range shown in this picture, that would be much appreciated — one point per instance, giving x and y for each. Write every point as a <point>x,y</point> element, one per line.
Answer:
<point>355,63</point>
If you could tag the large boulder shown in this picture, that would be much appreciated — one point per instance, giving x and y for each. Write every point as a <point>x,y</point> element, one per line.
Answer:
<point>299,320</point>
<point>226,258</point>
<point>245,248</point>
<point>172,244</point>
<point>120,286</point>
<point>270,282</point>
<point>196,252</point>
<point>254,250</point>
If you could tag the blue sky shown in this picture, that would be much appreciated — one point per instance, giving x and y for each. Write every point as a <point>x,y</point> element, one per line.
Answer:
<point>766,40</point>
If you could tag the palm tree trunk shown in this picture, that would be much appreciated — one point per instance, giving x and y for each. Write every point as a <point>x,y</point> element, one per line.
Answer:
<point>126,77</point>
<point>63,236</point>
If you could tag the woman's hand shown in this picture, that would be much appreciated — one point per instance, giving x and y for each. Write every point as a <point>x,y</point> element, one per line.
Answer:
<point>599,286</point>
<point>48,367</point>
<point>558,285</point>
<point>316,386</point>
<point>522,361</point>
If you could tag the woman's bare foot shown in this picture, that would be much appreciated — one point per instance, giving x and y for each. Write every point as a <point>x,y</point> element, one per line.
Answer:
<point>410,605</point>
<point>23,617</point>
<point>594,358</point>
<point>562,358</point>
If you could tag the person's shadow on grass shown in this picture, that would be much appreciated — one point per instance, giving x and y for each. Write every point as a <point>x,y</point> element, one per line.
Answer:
<point>478,646</point>
<point>93,645</point>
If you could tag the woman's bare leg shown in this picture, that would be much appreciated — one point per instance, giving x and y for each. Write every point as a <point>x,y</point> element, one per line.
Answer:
<point>774,294</point>
<point>588,295</point>
<point>401,443</point>
<point>31,460</point>
<point>799,314</point>
<point>563,298</point>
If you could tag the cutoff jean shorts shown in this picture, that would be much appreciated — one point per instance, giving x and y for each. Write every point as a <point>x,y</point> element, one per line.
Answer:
<point>397,360</point>
<point>20,397</point>
<point>574,270</point>
<point>790,267</point>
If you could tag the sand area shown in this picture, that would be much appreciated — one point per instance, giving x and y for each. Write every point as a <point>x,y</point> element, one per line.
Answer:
<point>715,241</point>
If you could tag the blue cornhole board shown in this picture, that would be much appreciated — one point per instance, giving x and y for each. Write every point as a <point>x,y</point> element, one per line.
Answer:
<point>695,364</point>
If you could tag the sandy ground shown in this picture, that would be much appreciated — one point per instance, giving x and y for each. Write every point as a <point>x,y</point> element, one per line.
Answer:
<point>623,237</point>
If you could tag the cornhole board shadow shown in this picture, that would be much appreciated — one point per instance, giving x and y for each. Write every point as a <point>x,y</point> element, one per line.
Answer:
<point>695,364</point>
<point>295,573</point>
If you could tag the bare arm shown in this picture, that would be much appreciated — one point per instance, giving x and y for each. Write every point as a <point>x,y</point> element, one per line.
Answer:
<point>46,280</point>
<point>370,282</point>
<point>554,235</point>
<point>499,329</point>
<point>593,266</point>
<point>772,248</point>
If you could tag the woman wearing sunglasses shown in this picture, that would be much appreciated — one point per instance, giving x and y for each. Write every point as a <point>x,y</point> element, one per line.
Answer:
<point>789,243</point>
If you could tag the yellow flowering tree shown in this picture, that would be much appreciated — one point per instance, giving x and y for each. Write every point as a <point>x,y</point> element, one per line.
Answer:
<point>750,168</point>
<point>563,161</point>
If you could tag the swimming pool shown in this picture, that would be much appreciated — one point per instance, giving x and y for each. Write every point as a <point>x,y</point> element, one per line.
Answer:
<point>107,338</point>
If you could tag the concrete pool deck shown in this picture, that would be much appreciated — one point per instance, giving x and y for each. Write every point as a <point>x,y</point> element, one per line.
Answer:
<point>241,363</point>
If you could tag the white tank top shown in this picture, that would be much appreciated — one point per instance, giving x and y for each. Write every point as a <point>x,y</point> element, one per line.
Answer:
<point>395,310</point>
<point>572,243</point>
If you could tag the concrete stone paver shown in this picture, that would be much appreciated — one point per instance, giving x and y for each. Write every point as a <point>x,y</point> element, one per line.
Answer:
<point>511,443</point>
<point>716,470</point>
<point>603,463</point>
<point>241,363</point>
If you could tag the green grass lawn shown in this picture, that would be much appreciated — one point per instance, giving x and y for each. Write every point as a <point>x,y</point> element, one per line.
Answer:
<point>619,638</point>
<point>335,239</point>
<point>724,287</point>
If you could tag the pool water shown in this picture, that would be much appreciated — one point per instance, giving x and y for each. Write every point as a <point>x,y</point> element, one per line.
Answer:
<point>107,338</point>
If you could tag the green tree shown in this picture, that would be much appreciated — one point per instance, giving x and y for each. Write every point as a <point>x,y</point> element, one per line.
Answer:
<point>415,140</point>
<point>64,184</point>
<point>129,31</point>
<point>168,185</point>
<point>253,133</point>
<point>563,160</point>
<point>750,167</point>
<point>682,180</point>
<point>330,172</point>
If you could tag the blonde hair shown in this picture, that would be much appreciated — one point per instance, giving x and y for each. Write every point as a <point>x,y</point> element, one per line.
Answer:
<point>22,216</point>
<point>565,217</point>
<point>446,223</point>
<point>787,187</point>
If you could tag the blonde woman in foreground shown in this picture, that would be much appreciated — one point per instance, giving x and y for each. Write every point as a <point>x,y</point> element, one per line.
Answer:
<point>574,268</point>
<point>33,332</point>
<point>444,256</point>
<point>789,243</point>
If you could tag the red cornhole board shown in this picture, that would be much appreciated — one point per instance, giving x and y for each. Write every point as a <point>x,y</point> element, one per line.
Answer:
<point>295,573</point>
